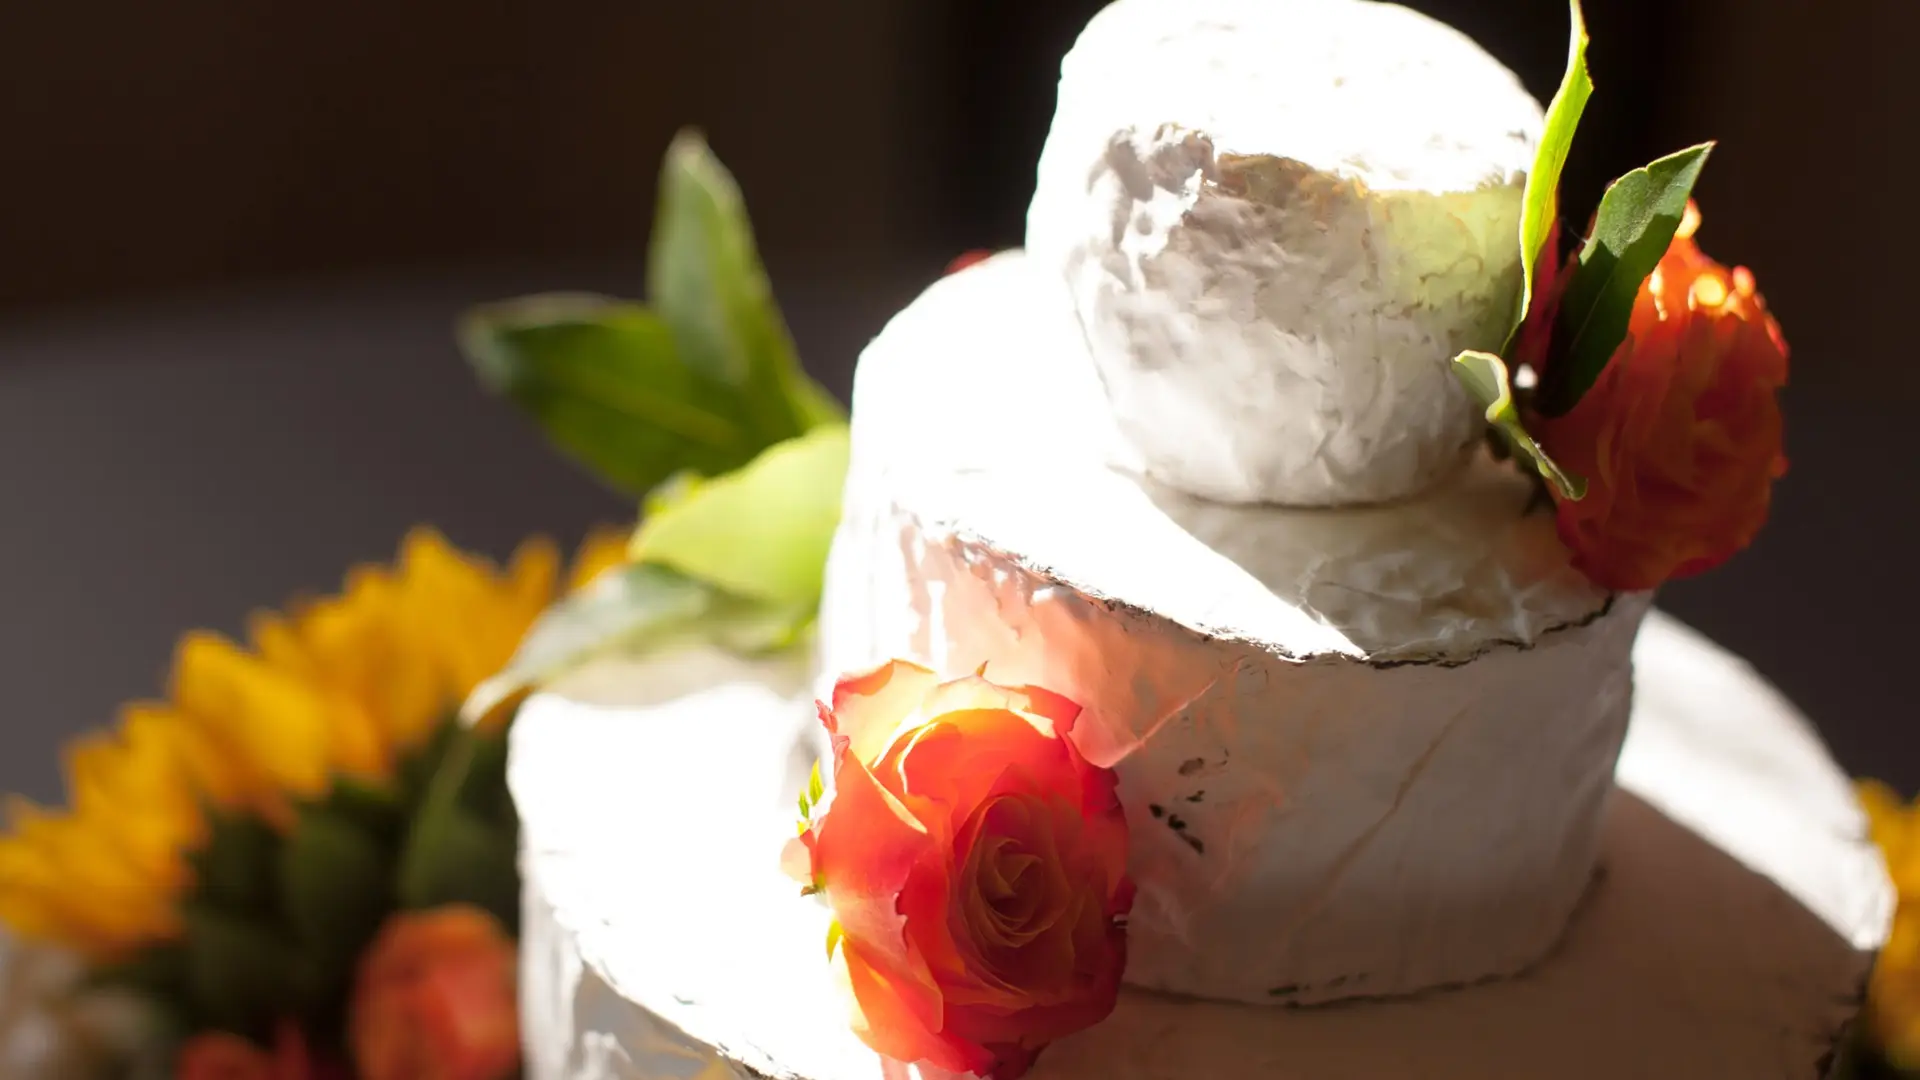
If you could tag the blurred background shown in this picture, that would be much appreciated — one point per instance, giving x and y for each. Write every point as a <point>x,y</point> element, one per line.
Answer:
<point>235,236</point>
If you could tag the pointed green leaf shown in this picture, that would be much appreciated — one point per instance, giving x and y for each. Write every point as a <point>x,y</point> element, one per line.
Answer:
<point>761,533</point>
<point>640,607</point>
<point>816,790</point>
<point>604,379</point>
<point>1638,217</point>
<point>1541,203</point>
<point>1485,377</point>
<point>235,870</point>
<point>621,609</point>
<point>705,278</point>
<point>471,862</point>
<point>463,845</point>
<point>337,881</point>
<point>418,765</point>
<point>810,797</point>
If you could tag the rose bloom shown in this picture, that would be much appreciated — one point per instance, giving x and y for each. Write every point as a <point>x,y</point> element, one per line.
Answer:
<point>435,1000</point>
<point>975,863</point>
<point>1680,437</point>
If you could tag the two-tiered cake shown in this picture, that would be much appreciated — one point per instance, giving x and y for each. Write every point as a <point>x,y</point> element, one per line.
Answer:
<point>1195,461</point>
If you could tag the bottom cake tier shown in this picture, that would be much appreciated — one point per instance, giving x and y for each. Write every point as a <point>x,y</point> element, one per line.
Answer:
<point>1728,935</point>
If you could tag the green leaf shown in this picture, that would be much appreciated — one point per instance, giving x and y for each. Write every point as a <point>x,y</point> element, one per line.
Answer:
<point>379,810</point>
<point>483,791</point>
<point>419,765</point>
<point>463,846</point>
<point>240,972</point>
<point>816,790</point>
<point>810,797</point>
<point>235,871</point>
<point>761,533</point>
<point>470,862</point>
<point>604,379</point>
<point>1638,217</point>
<point>337,881</point>
<point>1485,377</point>
<point>621,609</point>
<point>639,608</point>
<point>1541,203</point>
<point>706,280</point>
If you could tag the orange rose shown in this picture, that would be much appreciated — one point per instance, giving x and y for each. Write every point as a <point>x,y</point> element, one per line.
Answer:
<point>976,867</point>
<point>1679,439</point>
<point>217,1055</point>
<point>436,1000</point>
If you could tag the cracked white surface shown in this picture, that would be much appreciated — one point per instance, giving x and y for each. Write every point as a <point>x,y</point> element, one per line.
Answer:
<point>1279,220</point>
<point>1364,751</point>
<point>1727,940</point>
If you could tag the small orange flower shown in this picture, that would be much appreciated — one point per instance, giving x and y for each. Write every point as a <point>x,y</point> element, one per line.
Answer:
<point>1680,438</point>
<point>217,1055</point>
<point>436,1000</point>
<point>976,867</point>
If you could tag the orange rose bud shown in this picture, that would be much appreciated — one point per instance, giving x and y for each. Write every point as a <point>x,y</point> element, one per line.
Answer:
<point>217,1055</point>
<point>1680,437</point>
<point>976,865</point>
<point>436,1000</point>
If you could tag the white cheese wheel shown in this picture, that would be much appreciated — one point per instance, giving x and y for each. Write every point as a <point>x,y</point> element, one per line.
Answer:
<point>1280,220</point>
<point>1363,751</point>
<point>1729,938</point>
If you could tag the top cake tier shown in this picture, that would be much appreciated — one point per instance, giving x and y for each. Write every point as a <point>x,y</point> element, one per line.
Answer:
<point>1279,220</point>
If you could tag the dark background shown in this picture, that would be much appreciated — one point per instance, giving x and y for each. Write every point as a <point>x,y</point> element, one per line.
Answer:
<point>233,236</point>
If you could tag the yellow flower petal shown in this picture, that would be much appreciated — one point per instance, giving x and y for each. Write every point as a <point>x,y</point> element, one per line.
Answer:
<point>344,684</point>
<point>273,721</point>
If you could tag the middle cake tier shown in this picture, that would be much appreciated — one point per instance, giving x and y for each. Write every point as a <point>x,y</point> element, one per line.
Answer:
<point>1363,752</point>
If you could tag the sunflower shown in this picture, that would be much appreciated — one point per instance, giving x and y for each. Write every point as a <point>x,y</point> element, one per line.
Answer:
<point>1893,996</point>
<point>340,686</point>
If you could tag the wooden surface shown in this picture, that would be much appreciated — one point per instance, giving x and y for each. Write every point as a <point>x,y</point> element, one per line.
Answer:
<point>1727,938</point>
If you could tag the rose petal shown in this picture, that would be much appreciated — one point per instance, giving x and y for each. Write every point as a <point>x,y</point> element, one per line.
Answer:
<point>974,692</point>
<point>870,708</point>
<point>961,756</point>
<point>890,1016</point>
<point>796,858</point>
<point>865,848</point>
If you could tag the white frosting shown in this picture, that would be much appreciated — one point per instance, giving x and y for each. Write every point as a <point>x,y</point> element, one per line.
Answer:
<point>1280,220</point>
<point>1363,751</point>
<point>1729,938</point>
